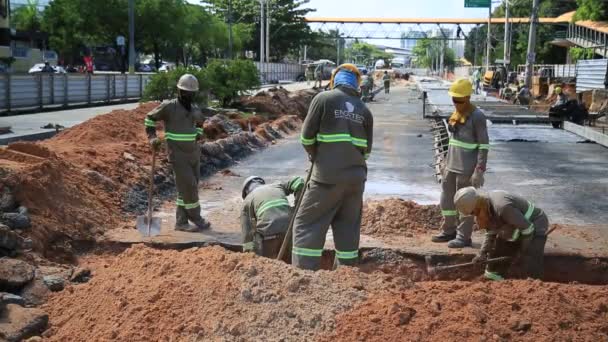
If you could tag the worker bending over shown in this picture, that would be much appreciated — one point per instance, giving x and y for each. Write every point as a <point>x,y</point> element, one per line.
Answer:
<point>337,135</point>
<point>561,100</point>
<point>515,228</point>
<point>266,213</point>
<point>179,117</point>
<point>465,165</point>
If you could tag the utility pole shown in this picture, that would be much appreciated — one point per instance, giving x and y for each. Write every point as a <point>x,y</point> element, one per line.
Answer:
<point>476,43</point>
<point>230,29</point>
<point>262,27</point>
<point>268,18</point>
<point>507,53</point>
<point>531,55</point>
<point>489,46</point>
<point>338,46</point>
<point>131,36</point>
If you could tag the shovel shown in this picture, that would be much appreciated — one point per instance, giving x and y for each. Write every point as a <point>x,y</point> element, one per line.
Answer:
<point>146,224</point>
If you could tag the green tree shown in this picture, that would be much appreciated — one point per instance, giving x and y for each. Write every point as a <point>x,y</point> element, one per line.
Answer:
<point>227,78</point>
<point>288,29</point>
<point>427,50</point>
<point>27,17</point>
<point>361,52</point>
<point>595,10</point>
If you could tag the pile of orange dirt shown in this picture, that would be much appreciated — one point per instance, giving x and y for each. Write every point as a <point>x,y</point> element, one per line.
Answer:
<point>278,102</point>
<point>203,294</point>
<point>482,311</point>
<point>397,216</point>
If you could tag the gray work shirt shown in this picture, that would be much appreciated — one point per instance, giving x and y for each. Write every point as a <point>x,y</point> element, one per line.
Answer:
<point>469,145</point>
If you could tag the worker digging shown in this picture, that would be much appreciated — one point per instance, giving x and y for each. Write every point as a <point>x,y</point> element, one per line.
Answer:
<point>266,213</point>
<point>337,135</point>
<point>515,228</point>
<point>466,163</point>
<point>179,117</point>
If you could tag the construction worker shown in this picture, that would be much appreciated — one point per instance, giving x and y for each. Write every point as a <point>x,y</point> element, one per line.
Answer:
<point>561,99</point>
<point>364,85</point>
<point>266,213</point>
<point>524,95</point>
<point>319,75</point>
<point>477,80</point>
<point>515,228</point>
<point>387,82</point>
<point>179,117</point>
<point>465,165</point>
<point>337,135</point>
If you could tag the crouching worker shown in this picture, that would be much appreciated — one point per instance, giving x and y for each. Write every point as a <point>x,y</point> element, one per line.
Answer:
<point>265,215</point>
<point>514,228</point>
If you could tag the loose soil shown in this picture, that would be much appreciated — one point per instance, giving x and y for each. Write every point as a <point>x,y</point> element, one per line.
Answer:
<point>397,216</point>
<point>481,311</point>
<point>277,102</point>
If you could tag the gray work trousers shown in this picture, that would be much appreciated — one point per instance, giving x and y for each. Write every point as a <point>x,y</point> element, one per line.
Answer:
<point>186,169</point>
<point>338,205</point>
<point>451,183</point>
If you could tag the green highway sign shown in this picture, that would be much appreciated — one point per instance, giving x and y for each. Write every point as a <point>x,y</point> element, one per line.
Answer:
<point>477,3</point>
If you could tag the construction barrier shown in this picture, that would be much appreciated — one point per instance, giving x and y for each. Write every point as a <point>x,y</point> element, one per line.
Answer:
<point>276,72</point>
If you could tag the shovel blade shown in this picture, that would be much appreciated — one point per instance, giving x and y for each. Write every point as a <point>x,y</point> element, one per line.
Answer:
<point>152,229</point>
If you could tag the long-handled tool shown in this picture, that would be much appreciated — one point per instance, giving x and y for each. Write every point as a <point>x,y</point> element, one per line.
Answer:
<point>433,270</point>
<point>287,241</point>
<point>146,224</point>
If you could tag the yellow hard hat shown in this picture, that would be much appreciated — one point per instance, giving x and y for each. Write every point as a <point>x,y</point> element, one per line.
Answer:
<point>461,88</point>
<point>558,90</point>
<point>346,66</point>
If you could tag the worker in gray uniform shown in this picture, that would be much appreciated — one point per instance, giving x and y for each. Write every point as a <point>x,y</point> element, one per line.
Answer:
<point>181,133</point>
<point>515,228</point>
<point>266,213</point>
<point>337,135</point>
<point>466,163</point>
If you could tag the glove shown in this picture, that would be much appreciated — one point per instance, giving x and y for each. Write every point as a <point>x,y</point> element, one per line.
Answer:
<point>477,179</point>
<point>155,144</point>
<point>481,257</point>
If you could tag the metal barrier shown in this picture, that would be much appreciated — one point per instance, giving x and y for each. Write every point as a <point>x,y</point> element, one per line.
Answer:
<point>591,74</point>
<point>550,70</point>
<point>23,92</point>
<point>275,72</point>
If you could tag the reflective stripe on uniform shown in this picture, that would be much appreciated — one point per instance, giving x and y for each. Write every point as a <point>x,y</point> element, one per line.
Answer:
<point>248,246</point>
<point>199,130</point>
<point>180,203</point>
<point>347,254</point>
<point>149,123</point>
<point>366,156</point>
<point>305,141</point>
<point>307,252</point>
<point>449,213</point>
<point>297,184</point>
<point>180,137</point>
<point>468,146</point>
<point>493,276</point>
<point>271,204</point>
<point>530,228</point>
<point>343,137</point>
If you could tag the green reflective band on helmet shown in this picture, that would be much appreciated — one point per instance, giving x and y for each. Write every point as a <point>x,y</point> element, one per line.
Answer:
<point>493,276</point>
<point>347,254</point>
<point>334,138</point>
<point>449,213</point>
<point>180,137</point>
<point>271,204</point>
<point>149,123</point>
<point>484,146</point>
<point>458,143</point>
<point>248,246</point>
<point>297,184</point>
<point>530,211</point>
<point>307,252</point>
<point>191,205</point>
<point>305,141</point>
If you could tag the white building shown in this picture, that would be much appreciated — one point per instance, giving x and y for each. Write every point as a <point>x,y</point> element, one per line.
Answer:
<point>410,39</point>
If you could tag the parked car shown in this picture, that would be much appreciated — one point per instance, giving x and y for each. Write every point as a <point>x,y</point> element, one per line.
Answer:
<point>144,68</point>
<point>37,68</point>
<point>166,67</point>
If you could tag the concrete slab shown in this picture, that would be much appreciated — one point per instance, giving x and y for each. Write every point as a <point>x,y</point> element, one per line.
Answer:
<point>587,133</point>
<point>28,126</point>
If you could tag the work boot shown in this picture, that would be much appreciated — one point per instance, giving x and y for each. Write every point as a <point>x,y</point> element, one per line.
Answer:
<point>443,237</point>
<point>459,242</point>
<point>181,216</point>
<point>201,224</point>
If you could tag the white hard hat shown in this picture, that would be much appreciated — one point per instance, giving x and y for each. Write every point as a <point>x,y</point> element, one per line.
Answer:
<point>466,200</point>
<point>249,180</point>
<point>188,82</point>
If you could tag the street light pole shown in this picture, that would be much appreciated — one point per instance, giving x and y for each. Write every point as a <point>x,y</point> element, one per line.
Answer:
<point>489,43</point>
<point>131,36</point>
<point>268,31</point>
<point>531,56</point>
<point>507,53</point>
<point>230,29</point>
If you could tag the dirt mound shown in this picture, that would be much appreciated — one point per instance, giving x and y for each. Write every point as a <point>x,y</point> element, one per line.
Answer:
<point>278,102</point>
<point>482,311</point>
<point>398,216</point>
<point>201,294</point>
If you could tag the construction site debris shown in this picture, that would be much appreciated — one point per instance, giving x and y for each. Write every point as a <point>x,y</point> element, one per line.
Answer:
<point>522,310</point>
<point>397,216</point>
<point>202,294</point>
<point>278,102</point>
<point>14,274</point>
<point>18,323</point>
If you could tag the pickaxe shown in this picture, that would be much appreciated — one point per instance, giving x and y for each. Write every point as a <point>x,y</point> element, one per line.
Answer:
<point>434,270</point>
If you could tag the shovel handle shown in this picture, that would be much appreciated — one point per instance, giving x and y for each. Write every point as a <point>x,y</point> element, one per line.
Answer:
<point>151,190</point>
<point>489,261</point>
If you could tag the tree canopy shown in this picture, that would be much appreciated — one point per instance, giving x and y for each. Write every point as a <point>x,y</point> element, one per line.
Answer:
<point>427,50</point>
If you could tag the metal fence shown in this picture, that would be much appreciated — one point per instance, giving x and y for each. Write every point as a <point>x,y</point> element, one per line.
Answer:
<point>275,72</point>
<point>550,70</point>
<point>591,74</point>
<point>22,92</point>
